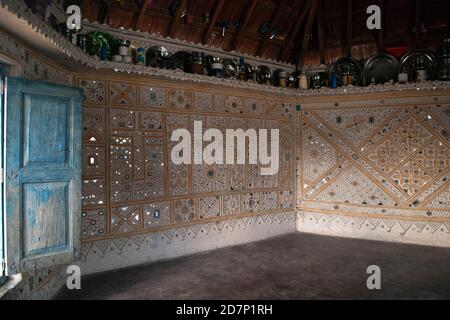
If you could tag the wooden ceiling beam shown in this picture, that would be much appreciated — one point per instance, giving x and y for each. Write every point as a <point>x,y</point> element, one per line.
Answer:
<point>216,11</point>
<point>308,29</point>
<point>418,24</point>
<point>83,5</point>
<point>349,29</point>
<point>176,18</point>
<point>140,15</point>
<point>272,24</point>
<point>103,14</point>
<point>321,32</point>
<point>244,22</point>
<point>294,30</point>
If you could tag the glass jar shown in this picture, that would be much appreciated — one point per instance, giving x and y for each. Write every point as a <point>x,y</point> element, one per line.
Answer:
<point>347,75</point>
<point>124,47</point>
<point>83,42</point>
<point>303,81</point>
<point>217,67</point>
<point>140,56</point>
<point>242,70</point>
<point>443,56</point>
<point>282,76</point>
<point>255,74</point>
<point>197,63</point>
<point>421,73</point>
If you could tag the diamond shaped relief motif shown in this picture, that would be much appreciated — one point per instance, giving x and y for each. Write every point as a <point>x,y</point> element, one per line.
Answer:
<point>353,186</point>
<point>411,178</point>
<point>356,125</point>
<point>125,219</point>
<point>411,136</point>
<point>318,156</point>
<point>442,112</point>
<point>123,94</point>
<point>386,156</point>
<point>435,157</point>
<point>209,207</point>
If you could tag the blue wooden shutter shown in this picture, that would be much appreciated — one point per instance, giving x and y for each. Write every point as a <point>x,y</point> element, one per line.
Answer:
<point>42,175</point>
<point>2,251</point>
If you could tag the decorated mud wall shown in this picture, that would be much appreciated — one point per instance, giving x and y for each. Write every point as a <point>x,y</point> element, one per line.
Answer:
<point>139,206</point>
<point>372,166</point>
<point>376,167</point>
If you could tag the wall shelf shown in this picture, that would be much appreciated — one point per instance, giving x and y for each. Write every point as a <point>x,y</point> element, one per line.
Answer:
<point>40,35</point>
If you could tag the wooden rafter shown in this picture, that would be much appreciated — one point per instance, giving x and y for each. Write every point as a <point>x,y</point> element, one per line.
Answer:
<point>418,24</point>
<point>176,18</point>
<point>140,15</point>
<point>103,14</point>
<point>321,32</point>
<point>448,19</point>
<point>349,29</point>
<point>272,24</point>
<point>243,26</point>
<point>83,5</point>
<point>216,11</point>
<point>294,30</point>
<point>308,29</point>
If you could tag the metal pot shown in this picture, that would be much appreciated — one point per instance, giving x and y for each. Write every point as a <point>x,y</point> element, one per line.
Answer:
<point>443,56</point>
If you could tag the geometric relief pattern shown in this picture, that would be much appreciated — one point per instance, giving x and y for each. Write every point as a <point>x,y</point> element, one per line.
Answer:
<point>94,91</point>
<point>93,192</point>
<point>442,201</point>
<point>130,184</point>
<point>353,187</point>
<point>94,161</point>
<point>234,104</point>
<point>94,125</point>
<point>152,97</point>
<point>125,219</point>
<point>411,178</point>
<point>137,156</point>
<point>184,210</point>
<point>156,214</point>
<point>250,202</point>
<point>123,94</point>
<point>231,204</point>
<point>411,136</point>
<point>278,109</point>
<point>435,157</point>
<point>356,125</point>
<point>318,156</point>
<point>178,174</point>
<point>286,199</point>
<point>209,207</point>
<point>406,151</point>
<point>209,178</point>
<point>92,223</point>
<point>180,99</point>
<point>386,156</point>
<point>268,201</point>
<point>442,112</point>
<point>203,101</point>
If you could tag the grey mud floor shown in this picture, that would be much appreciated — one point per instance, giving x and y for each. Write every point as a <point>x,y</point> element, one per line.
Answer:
<point>294,266</point>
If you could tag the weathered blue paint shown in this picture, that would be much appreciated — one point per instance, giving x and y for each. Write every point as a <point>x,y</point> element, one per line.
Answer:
<point>43,174</point>
<point>2,252</point>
